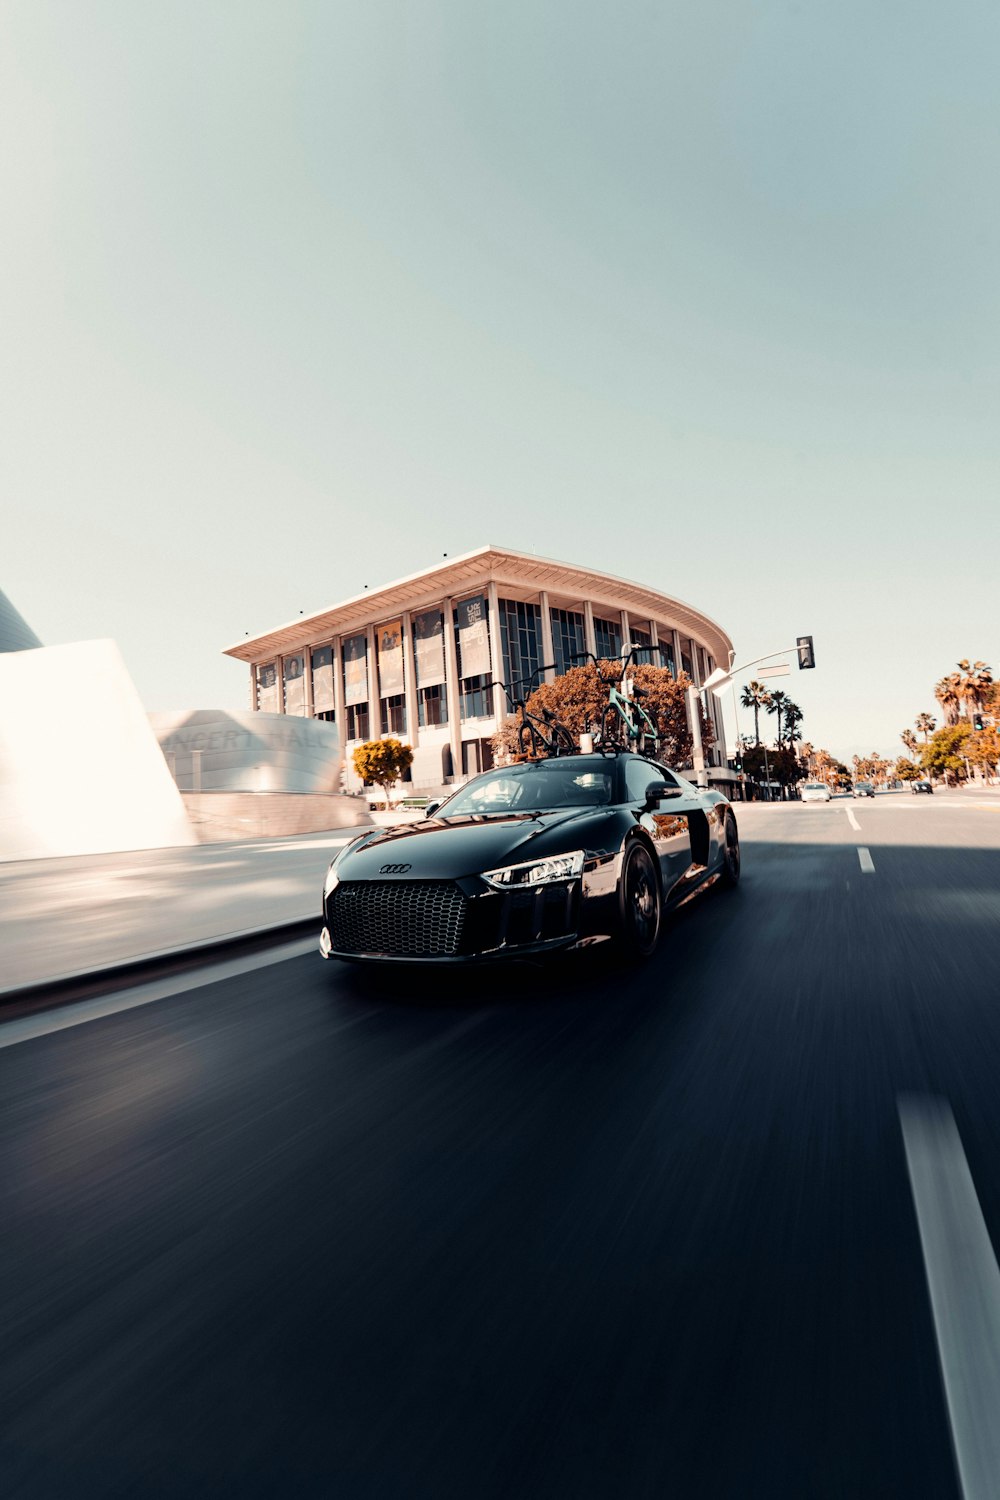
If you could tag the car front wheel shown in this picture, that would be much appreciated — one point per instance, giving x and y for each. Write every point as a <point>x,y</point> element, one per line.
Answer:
<point>731,854</point>
<point>640,907</point>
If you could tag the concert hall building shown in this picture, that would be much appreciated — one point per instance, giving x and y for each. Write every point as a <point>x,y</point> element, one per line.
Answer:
<point>421,658</point>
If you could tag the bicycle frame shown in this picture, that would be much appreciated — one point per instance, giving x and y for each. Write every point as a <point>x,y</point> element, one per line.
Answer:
<point>536,738</point>
<point>631,716</point>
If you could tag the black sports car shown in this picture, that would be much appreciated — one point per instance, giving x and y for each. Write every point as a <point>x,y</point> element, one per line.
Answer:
<point>537,856</point>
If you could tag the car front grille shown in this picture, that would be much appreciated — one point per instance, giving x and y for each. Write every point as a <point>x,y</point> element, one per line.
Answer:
<point>399,918</point>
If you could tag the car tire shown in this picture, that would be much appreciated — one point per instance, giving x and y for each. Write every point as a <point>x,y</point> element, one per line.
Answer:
<point>640,908</point>
<point>731,854</point>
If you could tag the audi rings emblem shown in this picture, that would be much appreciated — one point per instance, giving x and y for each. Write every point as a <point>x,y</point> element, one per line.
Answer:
<point>394,869</point>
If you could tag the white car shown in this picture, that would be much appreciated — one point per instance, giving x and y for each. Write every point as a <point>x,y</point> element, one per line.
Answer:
<point>815,791</point>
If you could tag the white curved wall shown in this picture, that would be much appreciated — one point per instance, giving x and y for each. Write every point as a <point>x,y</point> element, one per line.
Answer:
<point>80,769</point>
<point>225,750</point>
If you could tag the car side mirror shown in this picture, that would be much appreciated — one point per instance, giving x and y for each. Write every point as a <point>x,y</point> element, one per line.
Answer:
<point>431,809</point>
<point>660,791</point>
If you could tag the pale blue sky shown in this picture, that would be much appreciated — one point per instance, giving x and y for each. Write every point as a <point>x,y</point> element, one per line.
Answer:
<point>296,297</point>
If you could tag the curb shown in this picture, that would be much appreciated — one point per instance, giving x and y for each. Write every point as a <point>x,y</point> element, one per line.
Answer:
<point>109,978</point>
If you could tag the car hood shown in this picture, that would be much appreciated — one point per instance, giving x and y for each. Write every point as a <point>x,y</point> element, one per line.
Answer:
<point>449,848</point>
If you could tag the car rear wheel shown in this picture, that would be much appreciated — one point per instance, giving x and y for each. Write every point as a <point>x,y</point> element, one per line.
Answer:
<point>640,907</point>
<point>731,853</point>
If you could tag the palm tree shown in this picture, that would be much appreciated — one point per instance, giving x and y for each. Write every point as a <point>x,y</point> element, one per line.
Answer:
<point>948,693</point>
<point>777,706</point>
<point>756,697</point>
<point>926,723</point>
<point>976,681</point>
<point>793,718</point>
<point>909,740</point>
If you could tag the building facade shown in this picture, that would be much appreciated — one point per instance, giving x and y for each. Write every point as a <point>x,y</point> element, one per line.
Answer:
<point>423,658</point>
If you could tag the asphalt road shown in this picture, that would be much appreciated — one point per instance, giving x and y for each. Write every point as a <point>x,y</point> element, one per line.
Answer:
<point>533,1234</point>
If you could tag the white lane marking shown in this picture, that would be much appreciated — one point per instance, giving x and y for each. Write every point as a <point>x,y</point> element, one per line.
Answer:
<point>852,819</point>
<point>964,1285</point>
<point>865,860</point>
<point>27,1028</point>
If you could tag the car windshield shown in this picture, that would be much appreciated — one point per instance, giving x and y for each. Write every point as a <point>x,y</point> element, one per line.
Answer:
<point>536,786</point>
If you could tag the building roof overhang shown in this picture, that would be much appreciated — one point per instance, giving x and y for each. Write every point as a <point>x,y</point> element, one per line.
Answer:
<point>521,573</point>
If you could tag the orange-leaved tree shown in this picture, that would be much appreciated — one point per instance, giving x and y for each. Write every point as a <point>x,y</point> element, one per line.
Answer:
<point>579,700</point>
<point>383,762</point>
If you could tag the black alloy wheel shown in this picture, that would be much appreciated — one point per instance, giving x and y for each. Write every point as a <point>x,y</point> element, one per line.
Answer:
<point>641,907</point>
<point>731,853</point>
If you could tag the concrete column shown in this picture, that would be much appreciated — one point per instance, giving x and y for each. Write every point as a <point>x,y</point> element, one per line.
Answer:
<point>694,724</point>
<point>500,708</point>
<point>374,702</point>
<point>720,728</point>
<point>678,666</point>
<point>409,682</point>
<point>253,688</point>
<point>626,629</point>
<point>279,667</point>
<point>451,675</point>
<point>339,709</point>
<point>589,638</point>
<point>307,671</point>
<point>548,651</point>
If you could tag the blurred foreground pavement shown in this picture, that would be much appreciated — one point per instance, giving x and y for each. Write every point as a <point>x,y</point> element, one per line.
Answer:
<point>62,917</point>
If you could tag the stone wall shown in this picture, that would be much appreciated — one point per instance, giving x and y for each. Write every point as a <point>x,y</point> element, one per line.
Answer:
<point>221,816</point>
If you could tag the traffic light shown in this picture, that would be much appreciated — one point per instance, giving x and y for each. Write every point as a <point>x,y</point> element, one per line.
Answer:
<point>977,721</point>
<point>807,657</point>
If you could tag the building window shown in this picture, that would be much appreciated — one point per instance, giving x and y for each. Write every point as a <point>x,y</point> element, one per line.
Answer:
<point>472,637</point>
<point>432,706</point>
<point>608,638</point>
<point>394,714</point>
<point>321,662</point>
<point>355,657</point>
<point>477,755</point>
<point>475,698</point>
<point>569,639</point>
<point>645,652</point>
<point>294,685</point>
<point>521,638</point>
<point>267,688</point>
<point>667,657</point>
<point>357,721</point>
<point>687,652</point>
<point>327,715</point>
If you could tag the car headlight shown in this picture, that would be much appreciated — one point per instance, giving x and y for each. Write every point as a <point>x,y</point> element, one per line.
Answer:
<point>537,871</point>
<point>332,880</point>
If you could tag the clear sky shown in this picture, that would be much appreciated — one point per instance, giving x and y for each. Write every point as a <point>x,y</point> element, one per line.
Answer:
<point>296,297</point>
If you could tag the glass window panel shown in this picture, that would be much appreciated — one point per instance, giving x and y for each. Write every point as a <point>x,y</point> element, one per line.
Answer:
<point>568,639</point>
<point>521,638</point>
<point>608,637</point>
<point>321,663</point>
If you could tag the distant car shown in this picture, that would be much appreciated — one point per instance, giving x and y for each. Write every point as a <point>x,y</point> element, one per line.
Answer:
<point>863,789</point>
<point>922,786</point>
<point>815,791</point>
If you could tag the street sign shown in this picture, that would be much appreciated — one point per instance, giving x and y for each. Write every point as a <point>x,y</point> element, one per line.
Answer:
<point>781,670</point>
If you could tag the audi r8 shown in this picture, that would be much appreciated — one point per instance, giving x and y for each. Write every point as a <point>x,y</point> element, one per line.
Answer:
<point>531,858</point>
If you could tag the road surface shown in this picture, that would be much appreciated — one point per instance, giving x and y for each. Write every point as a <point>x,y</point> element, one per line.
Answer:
<point>302,1232</point>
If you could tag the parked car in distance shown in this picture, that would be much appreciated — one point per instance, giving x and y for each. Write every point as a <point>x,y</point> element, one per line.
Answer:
<point>921,786</point>
<point>816,791</point>
<point>863,789</point>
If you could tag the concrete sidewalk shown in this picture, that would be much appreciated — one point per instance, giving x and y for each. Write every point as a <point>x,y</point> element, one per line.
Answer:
<point>63,918</point>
